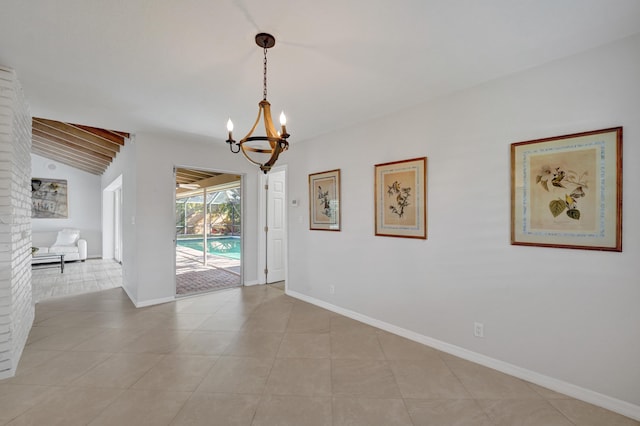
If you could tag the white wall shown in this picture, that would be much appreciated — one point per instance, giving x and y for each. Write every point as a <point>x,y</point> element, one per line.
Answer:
<point>570,315</point>
<point>149,201</point>
<point>84,199</point>
<point>124,168</point>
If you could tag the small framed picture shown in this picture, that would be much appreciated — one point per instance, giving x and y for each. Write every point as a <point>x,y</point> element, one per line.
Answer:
<point>566,191</point>
<point>401,198</point>
<point>324,201</point>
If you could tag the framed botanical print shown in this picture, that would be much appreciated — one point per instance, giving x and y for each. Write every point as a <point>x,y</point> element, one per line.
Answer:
<point>324,201</point>
<point>566,191</point>
<point>401,198</point>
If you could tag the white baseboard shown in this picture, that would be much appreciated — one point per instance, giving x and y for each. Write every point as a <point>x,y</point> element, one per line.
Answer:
<point>154,301</point>
<point>251,283</point>
<point>577,392</point>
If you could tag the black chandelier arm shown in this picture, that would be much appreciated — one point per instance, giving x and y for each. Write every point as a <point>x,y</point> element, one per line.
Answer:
<point>231,143</point>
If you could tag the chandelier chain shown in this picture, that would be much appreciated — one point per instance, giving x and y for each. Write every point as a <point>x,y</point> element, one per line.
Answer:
<point>264,90</point>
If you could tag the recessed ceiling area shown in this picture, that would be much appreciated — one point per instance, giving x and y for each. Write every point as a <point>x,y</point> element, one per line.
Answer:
<point>86,148</point>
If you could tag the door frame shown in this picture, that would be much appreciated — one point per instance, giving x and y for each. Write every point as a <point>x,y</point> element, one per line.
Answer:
<point>262,222</point>
<point>242,219</point>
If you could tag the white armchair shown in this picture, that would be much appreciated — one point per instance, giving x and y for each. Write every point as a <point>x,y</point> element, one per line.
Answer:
<point>69,243</point>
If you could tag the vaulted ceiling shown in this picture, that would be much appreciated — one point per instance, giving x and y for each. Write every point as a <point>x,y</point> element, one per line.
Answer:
<point>83,147</point>
<point>186,66</point>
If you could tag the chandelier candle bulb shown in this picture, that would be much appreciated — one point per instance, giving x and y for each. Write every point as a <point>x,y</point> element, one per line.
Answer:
<point>230,128</point>
<point>283,123</point>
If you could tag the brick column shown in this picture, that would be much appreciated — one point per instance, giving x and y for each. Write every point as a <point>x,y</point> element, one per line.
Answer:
<point>16,305</point>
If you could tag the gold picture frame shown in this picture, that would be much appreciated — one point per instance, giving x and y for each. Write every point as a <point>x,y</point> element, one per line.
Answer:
<point>566,191</point>
<point>401,198</point>
<point>324,201</point>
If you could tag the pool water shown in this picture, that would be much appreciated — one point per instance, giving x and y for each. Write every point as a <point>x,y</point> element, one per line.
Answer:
<point>225,246</point>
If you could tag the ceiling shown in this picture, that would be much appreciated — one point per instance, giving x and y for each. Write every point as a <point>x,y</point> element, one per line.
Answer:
<point>83,147</point>
<point>164,66</point>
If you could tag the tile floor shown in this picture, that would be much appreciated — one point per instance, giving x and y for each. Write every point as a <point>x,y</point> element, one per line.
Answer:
<point>254,356</point>
<point>78,277</point>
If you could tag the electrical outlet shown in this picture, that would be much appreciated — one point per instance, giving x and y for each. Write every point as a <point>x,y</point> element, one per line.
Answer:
<point>478,329</point>
<point>332,289</point>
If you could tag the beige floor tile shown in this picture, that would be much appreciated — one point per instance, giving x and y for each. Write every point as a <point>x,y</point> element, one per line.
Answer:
<point>206,409</point>
<point>355,346</point>
<point>396,347</point>
<point>363,378</point>
<point>237,375</point>
<point>256,345</point>
<point>524,412</point>
<point>61,369</point>
<point>427,378</point>
<point>286,376</point>
<point>308,319</point>
<point>206,342</point>
<point>293,411</point>
<point>184,321</point>
<point>583,414</point>
<point>302,377</point>
<point>370,412</point>
<point>65,338</point>
<point>67,319</point>
<point>340,324</point>
<point>486,383</point>
<point>202,305</point>
<point>37,333</point>
<point>16,399</point>
<point>137,407</point>
<point>274,322</point>
<point>224,322</point>
<point>121,370</point>
<point>110,340</point>
<point>175,372</point>
<point>110,319</point>
<point>67,407</point>
<point>33,357</point>
<point>450,412</point>
<point>305,345</point>
<point>547,393</point>
<point>157,341</point>
<point>146,319</point>
<point>45,314</point>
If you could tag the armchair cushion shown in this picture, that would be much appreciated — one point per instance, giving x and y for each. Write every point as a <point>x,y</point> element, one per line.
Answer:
<point>67,238</point>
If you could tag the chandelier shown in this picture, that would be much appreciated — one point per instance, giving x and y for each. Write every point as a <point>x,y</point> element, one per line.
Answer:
<point>269,147</point>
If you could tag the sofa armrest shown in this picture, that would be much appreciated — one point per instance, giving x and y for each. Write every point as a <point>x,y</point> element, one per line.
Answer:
<point>82,249</point>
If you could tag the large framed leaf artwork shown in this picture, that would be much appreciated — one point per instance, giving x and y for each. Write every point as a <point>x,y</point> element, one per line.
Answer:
<point>401,198</point>
<point>324,201</point>
<point>566,191</point>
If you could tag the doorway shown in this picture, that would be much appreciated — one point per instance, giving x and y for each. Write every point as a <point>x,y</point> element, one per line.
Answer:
<point>208,231</point>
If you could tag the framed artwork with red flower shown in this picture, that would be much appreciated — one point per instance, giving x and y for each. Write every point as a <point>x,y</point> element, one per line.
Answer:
<point>566,191</point>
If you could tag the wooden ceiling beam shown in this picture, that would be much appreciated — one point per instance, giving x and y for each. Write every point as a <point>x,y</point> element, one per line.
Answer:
<point>69,162</point>
<point>79,146</point>
<point>76,135</point>
<point>105,134</point>
<point>63,155</point>
<point>54,148</point>
<point>194,174</point>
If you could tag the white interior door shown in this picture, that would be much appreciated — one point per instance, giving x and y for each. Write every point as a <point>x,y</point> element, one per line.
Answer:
<point>276,226</point>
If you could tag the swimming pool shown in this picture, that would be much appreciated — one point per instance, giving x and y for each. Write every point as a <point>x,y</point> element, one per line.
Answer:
<point>225,246</point>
